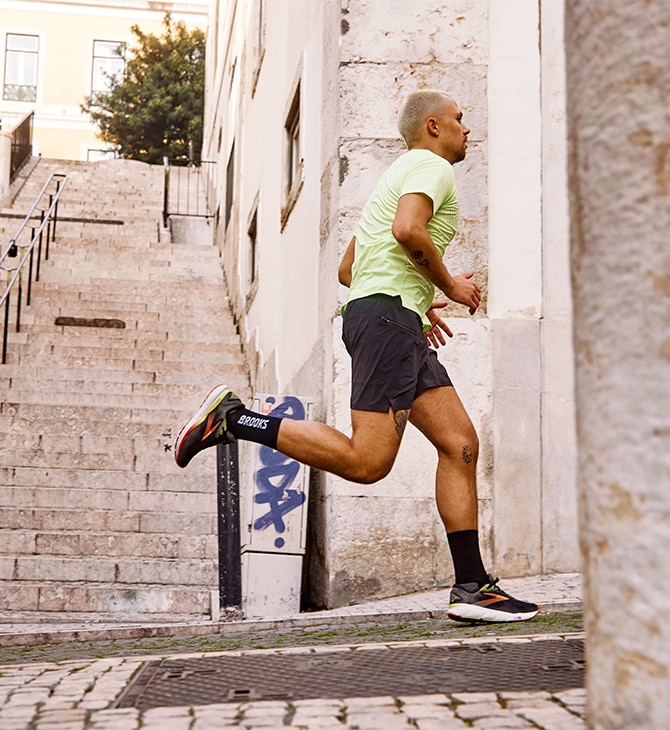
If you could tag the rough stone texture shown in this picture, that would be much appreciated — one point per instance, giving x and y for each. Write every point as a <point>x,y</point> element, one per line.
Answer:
<point>618,97</point>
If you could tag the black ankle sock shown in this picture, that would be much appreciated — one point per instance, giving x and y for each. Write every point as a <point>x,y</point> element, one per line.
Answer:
<point>468,565</point>
<point>250,426</point>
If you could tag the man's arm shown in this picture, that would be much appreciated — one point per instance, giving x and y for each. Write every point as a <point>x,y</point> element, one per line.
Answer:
<point>410,231</point>
<point>344,271</point>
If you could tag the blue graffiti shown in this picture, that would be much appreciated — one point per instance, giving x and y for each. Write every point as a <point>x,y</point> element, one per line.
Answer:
<point>274,478</point>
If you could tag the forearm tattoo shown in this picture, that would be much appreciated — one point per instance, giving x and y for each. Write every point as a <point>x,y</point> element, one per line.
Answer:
<point>400,418</point>
<point>420,259</point>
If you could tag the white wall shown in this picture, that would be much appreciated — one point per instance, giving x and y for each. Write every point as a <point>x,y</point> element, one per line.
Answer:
<point>510,362</point>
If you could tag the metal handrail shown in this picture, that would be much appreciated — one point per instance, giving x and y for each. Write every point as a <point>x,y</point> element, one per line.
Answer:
<point>47,219</point>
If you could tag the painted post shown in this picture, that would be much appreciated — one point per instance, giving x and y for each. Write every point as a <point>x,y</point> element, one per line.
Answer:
<point>274,515</point>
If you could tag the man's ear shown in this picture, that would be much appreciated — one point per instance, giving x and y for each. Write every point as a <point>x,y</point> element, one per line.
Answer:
<point>431,126</point>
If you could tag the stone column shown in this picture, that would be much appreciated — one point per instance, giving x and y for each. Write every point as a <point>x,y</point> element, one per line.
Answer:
<point>619,130</point>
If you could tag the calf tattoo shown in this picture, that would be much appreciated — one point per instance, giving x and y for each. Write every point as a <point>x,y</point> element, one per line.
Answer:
<point>467,455</point>
<point>420,259</point>
<point>400,418</point>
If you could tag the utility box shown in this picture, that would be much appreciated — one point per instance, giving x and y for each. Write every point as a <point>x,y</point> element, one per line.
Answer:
<point>274,491</point>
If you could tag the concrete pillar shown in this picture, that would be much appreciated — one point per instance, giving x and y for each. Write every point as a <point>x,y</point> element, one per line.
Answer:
<point>619,129</point>
<point>5,168</point>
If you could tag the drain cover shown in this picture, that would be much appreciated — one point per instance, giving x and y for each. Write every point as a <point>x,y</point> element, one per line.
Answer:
<point>543,665</point>
<point>117,324</point>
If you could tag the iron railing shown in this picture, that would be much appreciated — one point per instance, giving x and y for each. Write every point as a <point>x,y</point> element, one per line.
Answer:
<point>186,190</point>
<point>33,236</point>
<point>22,144</point>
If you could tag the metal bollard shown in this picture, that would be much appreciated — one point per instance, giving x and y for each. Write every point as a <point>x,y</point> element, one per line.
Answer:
<point>228,504</point>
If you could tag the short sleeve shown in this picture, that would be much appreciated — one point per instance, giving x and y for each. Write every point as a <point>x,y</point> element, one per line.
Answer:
<point>433,176</point>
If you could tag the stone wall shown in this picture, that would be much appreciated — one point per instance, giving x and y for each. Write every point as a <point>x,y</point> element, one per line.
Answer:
<point>619,88</point>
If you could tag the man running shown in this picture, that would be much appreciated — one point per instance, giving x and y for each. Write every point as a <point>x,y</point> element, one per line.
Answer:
<point>392,267</point>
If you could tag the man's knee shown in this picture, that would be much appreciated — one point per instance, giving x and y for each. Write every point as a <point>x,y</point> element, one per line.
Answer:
<point>462,444</point>
<point>371,470</point>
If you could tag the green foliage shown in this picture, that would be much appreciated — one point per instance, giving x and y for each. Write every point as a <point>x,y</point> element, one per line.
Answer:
<point>156,108</point>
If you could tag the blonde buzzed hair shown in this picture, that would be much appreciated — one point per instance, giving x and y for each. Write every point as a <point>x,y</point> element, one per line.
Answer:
<point>416,108</point>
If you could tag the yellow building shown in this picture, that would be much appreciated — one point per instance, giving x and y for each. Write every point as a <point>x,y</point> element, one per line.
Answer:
<point>56,53</point>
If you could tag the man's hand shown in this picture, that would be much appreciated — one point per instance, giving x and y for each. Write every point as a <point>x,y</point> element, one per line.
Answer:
<point>434,335</point>
<point>464,291</point>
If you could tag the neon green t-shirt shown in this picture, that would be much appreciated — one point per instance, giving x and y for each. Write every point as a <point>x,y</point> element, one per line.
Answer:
<point>380,264</point>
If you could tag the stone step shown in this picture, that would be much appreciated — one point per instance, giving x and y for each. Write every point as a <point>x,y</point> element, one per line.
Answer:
<point>95,516</point>
<point>53,391</point>
<point>167,351</point>
<point>109,499</point>
<point>137,545</point>
<point>157,414</point>
<point>200,477</point>
<point>66,519</point>
<point>210,368</point>
<point>111,598</point>
<point>79,336</point>
<point>233,375</point>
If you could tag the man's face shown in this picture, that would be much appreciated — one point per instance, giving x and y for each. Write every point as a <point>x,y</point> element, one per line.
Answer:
<point>453,134</point>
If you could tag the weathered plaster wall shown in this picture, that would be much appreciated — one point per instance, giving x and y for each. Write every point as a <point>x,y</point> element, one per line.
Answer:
<point>510,362</point>
<point>618,97</point>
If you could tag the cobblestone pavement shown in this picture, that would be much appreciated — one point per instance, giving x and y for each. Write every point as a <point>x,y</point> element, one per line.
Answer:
<point>81,694</point>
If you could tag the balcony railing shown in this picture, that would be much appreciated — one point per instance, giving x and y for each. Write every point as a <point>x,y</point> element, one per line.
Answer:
<point>186,191</point>
<point>22,144</point>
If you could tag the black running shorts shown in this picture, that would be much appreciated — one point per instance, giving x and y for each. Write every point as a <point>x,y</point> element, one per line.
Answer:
<point>391,363</point>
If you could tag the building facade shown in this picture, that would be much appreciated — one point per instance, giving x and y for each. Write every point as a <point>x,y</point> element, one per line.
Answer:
<point>57,53</point>
<point>301,107</point>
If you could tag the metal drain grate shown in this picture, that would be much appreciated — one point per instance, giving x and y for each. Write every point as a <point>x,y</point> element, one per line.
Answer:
<point>90,322</point>
<point>542,665</point>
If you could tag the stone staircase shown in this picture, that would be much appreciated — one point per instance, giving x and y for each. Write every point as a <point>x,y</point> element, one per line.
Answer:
<point>95,517</point>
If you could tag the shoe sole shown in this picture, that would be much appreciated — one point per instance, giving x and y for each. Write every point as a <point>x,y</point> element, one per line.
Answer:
<point>212,400</point>
<point>470,612</point>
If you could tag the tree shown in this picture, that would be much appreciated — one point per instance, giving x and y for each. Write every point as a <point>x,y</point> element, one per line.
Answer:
<point>155,108</point>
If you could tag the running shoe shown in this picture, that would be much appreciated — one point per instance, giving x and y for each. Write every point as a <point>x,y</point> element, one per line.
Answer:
<point>208,426</point>
<point>470,602</point>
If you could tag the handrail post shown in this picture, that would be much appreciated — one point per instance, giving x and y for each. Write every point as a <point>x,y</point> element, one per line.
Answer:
<point>53,232</point>
<point>46,250</point>
<point>39,247</point>
<point>5,329</point>
<point>166,190</point>
<point>18,301</point>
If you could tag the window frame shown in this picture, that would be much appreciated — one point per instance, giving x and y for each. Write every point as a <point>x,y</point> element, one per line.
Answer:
<point>294,163</point>
<point>31,98</point>
<point>120,57</point>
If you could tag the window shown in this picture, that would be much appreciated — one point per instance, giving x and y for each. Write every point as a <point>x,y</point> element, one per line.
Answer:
<point>292,127</point>
<point>108,65</point>
<point>21,56</point>
<point>230,184</point>
<point>96,155</point>
<point>252,237</point>
<point>258,45</point>
<point>292,155</point>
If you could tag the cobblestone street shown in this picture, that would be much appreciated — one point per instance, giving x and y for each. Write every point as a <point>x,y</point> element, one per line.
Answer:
<point>82,694</point>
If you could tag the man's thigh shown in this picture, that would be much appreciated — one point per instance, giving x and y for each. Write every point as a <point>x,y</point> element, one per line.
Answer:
<point>440,415</point>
